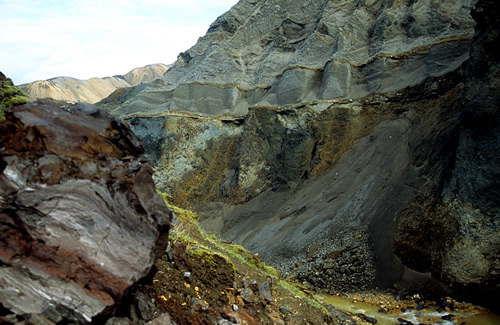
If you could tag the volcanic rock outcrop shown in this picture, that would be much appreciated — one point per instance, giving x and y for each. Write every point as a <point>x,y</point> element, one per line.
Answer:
<point>80,219</point>
<point>311,131</point>
<point>92,90</point>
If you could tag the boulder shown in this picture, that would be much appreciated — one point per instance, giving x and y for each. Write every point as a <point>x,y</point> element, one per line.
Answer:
<point>80,219</point>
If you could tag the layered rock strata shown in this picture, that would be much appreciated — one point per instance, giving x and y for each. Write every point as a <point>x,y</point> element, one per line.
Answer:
<point>80,219</point>
<point>275,53</point>
<point>293,126</point>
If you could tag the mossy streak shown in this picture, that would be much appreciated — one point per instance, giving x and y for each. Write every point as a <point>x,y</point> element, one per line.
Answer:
<point>220,262</point>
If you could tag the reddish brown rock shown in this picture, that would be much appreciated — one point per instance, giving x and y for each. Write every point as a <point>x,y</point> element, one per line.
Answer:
<point>80,219</point>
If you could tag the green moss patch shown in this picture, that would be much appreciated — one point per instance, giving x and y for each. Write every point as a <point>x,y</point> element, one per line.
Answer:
<point>10,95</point>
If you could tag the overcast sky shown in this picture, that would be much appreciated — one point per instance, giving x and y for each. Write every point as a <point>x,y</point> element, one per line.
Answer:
<point>42,39</point>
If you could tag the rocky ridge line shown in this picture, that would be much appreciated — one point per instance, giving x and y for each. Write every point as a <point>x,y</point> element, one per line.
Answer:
<point>92,90</point>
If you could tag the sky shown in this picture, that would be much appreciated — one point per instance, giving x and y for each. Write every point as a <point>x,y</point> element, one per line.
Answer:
<point>42,39</point>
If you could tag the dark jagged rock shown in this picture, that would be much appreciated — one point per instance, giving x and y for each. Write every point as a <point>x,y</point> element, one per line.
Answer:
<point>452,230</point>
<point>265,291</point>
<point>368,319</point>
<point>80,219</point>
<point>340,316</point>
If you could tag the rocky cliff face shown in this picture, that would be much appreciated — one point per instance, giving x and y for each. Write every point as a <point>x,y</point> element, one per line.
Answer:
<point>462,248</point>
<point>274,53</point>
<point>338,138</point>
<point>80,219</point>
<point>92,90</point>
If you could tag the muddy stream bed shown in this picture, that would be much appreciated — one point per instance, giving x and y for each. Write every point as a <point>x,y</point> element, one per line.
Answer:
<point>387,311</point>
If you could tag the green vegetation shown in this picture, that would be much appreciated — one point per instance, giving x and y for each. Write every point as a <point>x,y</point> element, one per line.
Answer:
<point>184,215</point>
<point>188,230</point>
<point>216,265</point>
<point>10,95</point>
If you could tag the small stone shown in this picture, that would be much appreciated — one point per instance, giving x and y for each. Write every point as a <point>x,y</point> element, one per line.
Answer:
<point>368,319</point>
<point>224,322</point>
<point>329,265</point>
<point>265,291</point>
<point>187,274</point>
<point>118,321</point>
<point>168,251</point>
<point>340,315</point>
<point>307,285</point>
<point>383,310</point>
<point>163,319</point>
<point>449,304</point>
<point>275,318</point>
<point>247,295</point>
<point>37,319</point>
<point>448,317</point>
<point>240,301</point>
<point>285,310</point>
<point>144,307</point>
<point>403,321</point>
<point>198,304</point>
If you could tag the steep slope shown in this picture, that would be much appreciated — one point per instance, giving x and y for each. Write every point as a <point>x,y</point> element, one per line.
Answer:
<point>273,53</point>
<point>92,90</point>
<point>336,139</point>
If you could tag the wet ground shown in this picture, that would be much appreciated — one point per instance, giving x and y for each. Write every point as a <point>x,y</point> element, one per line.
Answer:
<point>388,310</point>
<point>203,280</point>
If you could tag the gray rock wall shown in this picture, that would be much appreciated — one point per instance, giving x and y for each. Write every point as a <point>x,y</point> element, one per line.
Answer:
<point>280,53</point>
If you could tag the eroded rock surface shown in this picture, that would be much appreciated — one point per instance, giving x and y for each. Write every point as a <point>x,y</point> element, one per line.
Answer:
<point>80,219</point>
<point>274,53</point>
<point>292,126</point>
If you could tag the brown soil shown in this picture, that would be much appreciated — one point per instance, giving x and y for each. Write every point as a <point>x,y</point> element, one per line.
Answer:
<point>205,282</point>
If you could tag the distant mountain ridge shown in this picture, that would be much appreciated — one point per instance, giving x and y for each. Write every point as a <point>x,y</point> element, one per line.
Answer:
<point>91,90</point>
